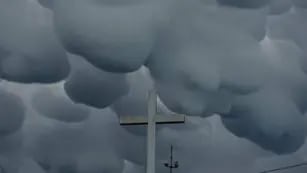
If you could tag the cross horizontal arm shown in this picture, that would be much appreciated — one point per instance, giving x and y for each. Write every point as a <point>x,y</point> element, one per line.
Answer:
<point>171,119</point>
<point>159,119</point>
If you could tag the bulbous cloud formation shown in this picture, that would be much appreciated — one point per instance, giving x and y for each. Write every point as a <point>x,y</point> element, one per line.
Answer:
<point>58,107</point>
<point>192,74</point>
<point>290,26</point>
<point>12,112</point>
<point>91,86</point>
<point>204,56</point>
<point>273,116</point>
<point>269,120</point>
<point>29,52</point>
<point>287,71</point>
<point>116,36</point>
<point>199,63</point>
<point>198,69</point>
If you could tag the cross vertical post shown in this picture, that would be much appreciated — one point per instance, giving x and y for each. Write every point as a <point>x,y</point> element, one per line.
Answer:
<point>151,132</point>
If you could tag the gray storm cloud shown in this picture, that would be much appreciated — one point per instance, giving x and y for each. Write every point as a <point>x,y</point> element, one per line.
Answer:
<point>269,119</point>
<point>275,112</point>
<point>29,52</point>
<point>192,75</point>
<point>214,77</point>
<point>203,57</point>
<point>91,86</point>
<point>214,71</point>
<point>244,60</point>
<point>115,36</point>
<point>289,26</point>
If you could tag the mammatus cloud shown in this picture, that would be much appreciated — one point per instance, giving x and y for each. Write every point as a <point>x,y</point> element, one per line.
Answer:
<point>29,52</point>
<point>91,86</point>
<point>273,116</point>
<point>191,73</point>
<point>268,119</point>
<point>116,37</point>
<point>236,58</point>
<point>289,27</point>
<point>199,68</point>
<point>111,44</point>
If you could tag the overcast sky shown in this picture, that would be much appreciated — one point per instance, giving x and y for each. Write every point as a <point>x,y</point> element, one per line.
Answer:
<point>70,68</point>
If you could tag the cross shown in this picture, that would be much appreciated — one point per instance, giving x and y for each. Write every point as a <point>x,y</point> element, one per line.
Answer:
<point>151,120</point>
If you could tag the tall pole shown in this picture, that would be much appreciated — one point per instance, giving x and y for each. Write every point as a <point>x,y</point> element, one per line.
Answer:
<point>171,165</point>
<point>151,132</point>
<point>171,168</point>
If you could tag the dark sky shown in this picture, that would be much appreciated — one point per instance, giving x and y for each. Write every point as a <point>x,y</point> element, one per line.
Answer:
<point>70,68</point>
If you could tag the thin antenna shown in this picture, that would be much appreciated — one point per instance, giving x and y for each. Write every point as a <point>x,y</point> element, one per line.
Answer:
<point>285,168</point>
<point>172,164</point>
